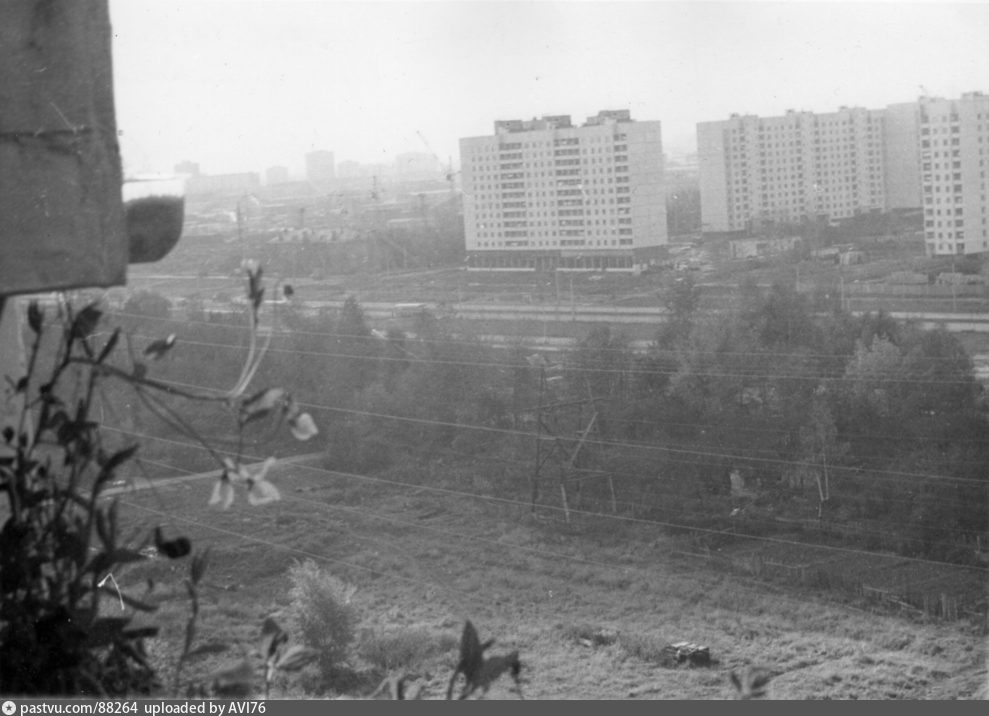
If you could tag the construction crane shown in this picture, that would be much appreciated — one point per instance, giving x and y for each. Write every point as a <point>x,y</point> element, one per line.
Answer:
<point>449,174</point>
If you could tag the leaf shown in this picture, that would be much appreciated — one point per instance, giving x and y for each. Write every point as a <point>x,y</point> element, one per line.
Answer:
<point>296,657</point>
<point>303,427</point>
<point>110,345</point>
<point>157,349</point>
<point>139,371</point>
<point>213,647</point>
<point>101,529</point>
<point>112,463</point>
<point>86,321</point>
<point>146,632</point>
<point>21,385</point>
<point>35,316</point>
<point>174,548</point>
<point>271,643</point>
<point>261,403</point>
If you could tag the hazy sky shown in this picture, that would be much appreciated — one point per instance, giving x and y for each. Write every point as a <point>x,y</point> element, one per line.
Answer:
<point>241,85</point>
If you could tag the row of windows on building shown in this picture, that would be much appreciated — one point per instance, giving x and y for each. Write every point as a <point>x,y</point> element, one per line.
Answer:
<point>493,161</point>
<point>547,178</point>
<point>498,149</point>
<point>496,172</point>
<point>555,243</point>
<point>548,209</point>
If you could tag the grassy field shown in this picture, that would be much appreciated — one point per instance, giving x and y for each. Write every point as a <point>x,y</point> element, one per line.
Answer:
<point>589,609</point>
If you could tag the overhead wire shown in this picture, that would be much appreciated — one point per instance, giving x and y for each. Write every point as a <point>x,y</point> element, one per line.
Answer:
<point>600,474</point>
<point>454,341</point>
<point>411,357</point>
<point>598,442</point>
<point>494,499</point>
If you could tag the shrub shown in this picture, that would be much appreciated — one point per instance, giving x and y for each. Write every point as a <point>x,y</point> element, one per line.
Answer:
<point>321,613</point>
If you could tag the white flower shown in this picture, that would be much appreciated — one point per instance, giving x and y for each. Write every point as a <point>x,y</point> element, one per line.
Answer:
<point>223,492</point>
<point>303,426</point>
<point>259,490</point>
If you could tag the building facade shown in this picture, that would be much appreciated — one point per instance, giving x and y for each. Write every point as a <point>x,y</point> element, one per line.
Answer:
<point>275,175</point>
<point>545,193</point>
<point>220,184</point>
<point>320,166</point>
<point>954,154</point>
<point>756,170</point>
<point>931,153</point>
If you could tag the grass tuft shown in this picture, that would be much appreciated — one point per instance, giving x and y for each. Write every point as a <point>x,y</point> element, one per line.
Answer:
<point>402,648</point>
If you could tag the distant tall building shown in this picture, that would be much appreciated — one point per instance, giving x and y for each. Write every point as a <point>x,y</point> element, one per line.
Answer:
<point>954,154</point>
<point>275,175</point>
<point>788,168</point>
<point>320,166</point>
<point>545,193</point>
<point>930,153</point>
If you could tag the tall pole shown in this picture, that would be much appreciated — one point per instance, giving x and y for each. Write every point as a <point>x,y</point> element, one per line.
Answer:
<point>573,305</point>
<point>954,304</point>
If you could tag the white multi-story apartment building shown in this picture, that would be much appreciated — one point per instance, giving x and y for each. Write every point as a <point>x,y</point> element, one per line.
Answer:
<point>802,165</point>
<point>954,155</point>
<point>544,193</point>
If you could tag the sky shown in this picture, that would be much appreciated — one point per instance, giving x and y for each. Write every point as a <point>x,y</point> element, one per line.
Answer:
<point>242,85</point>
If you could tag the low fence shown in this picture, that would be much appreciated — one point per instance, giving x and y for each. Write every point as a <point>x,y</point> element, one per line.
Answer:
<point>916,290</point>
<point>943,591</point>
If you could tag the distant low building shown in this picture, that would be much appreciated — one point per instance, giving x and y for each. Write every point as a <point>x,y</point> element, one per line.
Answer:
<point>276,175</point>
<point>187,168</point>
<point>202,184</point>
<point>758,248</point>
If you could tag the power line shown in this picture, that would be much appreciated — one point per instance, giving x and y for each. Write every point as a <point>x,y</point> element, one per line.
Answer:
<point>655,351</point>
<point>623,518</point>
<point>632,372</point>
<point>590,474</point>
<point>604,443</point>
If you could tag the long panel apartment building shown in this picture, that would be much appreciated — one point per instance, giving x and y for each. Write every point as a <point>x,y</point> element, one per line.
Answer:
<point>545,193</point>
<point>802,165</point>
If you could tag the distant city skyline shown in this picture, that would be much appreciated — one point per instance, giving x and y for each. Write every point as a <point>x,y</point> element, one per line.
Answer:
<point>243,85</point>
